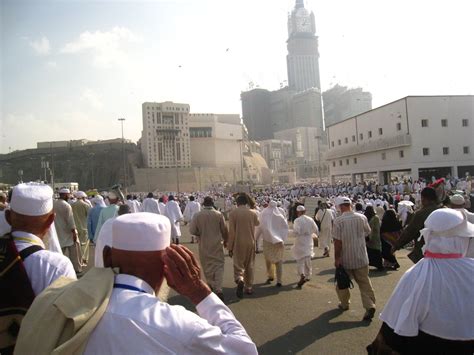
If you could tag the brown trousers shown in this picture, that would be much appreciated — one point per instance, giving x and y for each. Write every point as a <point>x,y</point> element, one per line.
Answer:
<point>361,276</point>
<point>244,268</point>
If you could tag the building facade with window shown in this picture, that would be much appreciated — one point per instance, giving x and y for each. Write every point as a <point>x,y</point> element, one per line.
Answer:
<point>216,140</point>
<point>165,135</point>
<point>423,136</point>
<point>276,152</point>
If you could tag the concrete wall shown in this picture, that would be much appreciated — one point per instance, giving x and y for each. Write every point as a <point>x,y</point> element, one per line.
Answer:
<point>189,179</point>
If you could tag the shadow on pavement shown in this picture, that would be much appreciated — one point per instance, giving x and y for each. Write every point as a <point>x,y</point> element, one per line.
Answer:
<point>327,272</point>
<point>376,273</point>
<point>260,290</point>
<point>303,336</point>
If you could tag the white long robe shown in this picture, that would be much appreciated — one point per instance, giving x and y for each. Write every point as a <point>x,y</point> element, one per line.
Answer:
<point>191,209</point>
<point>173,212</point>
<point>151,205</point>
<point>303,228</point>
<point>326,217</point>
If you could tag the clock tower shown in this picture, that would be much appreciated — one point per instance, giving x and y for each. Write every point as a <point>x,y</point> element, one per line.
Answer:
<point>303,54</point>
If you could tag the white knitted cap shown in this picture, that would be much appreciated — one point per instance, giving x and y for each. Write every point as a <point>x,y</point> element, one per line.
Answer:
<point>141,231</point>
<point>32,199</point>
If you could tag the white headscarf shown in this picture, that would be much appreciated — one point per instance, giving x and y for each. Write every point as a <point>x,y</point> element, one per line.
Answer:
<point>51,240</point>
<point>273,224</point>
<point>98,201</point>
<point>435,295</point>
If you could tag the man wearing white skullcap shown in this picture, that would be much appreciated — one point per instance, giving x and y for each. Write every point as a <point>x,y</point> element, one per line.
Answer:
<point>350,252</point>
<point>107,213</point>
<point>66,229</point>
<point>303,227</point>
<point>136,321</point>
<point>431,310</point>
<point>30,216</point>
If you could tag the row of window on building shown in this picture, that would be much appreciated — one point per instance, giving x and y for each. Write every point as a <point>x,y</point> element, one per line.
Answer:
<point>167,119</point>
<point>401,154</point>
<point>424,123</point>
<point>444,122</point>
<point>200,132</point>
<point>158,108</point>
<point>465,150</point>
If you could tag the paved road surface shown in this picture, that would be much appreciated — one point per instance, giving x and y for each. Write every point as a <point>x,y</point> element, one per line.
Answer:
<point>289,321</point>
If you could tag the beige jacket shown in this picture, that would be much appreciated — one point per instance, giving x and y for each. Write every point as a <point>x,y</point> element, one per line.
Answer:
<point>63,316</point>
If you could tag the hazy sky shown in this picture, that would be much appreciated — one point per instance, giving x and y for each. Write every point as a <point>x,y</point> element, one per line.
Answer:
<point>69,69</point>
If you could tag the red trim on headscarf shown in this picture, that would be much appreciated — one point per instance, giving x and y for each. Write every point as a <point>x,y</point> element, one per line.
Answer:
<point>429,254</point>
<point>437,183</point>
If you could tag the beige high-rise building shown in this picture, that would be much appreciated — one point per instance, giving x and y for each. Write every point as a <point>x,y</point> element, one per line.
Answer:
<point>165,135</point>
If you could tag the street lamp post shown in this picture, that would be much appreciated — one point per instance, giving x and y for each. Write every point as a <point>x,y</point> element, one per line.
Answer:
<point>92,169</point>
<point>241,163</point>
<point>318,138</point>
<point>45,167</point>
<point>175,153</point>
<point>200,184</point>
<point>51,170</point>
<point>123,154</point>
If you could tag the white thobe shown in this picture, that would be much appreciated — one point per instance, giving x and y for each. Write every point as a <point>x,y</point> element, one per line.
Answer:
<point>138,206</point>
<point>44,266</point>
<point>132,205</point>
<point>173,212</point>
<point>326,218</point>
<point>161,207</point>
<point>136,322</point>
<point>64,222</point>
<point>151,205</point>
<point>191,209</point>
<point>303,228</point>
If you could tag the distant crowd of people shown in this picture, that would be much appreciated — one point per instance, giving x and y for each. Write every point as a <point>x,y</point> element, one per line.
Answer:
<point>139,237</point>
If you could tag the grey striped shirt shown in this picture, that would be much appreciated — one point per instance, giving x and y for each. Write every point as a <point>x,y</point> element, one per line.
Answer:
<point>351,229</point>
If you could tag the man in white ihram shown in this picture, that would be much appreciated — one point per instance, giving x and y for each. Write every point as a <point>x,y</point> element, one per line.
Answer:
<point>173,212</point>
<point>191,209</point>
<point>303,228</point>
<point>137,322</point>
<point>150,204</point>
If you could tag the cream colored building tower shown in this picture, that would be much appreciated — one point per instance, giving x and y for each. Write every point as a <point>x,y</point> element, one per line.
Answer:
<point>165,136</point>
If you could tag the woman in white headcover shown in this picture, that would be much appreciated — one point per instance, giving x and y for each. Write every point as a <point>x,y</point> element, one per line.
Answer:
<point>274,230</point>
<point>431,310</point>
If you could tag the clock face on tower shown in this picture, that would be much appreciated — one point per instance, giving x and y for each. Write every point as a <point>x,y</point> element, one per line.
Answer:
<point>302,21</point>
<point>303,25</point>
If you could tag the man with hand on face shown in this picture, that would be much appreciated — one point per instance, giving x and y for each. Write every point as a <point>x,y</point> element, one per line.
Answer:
<point>137,322</point>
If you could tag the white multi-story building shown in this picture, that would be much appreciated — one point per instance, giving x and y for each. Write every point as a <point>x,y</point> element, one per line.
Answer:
<point>216,140</point>
<point>165,135</point>
<point>422,136</point>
